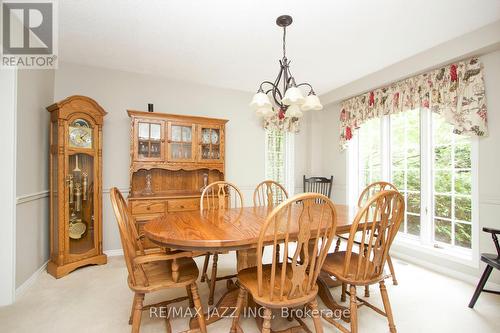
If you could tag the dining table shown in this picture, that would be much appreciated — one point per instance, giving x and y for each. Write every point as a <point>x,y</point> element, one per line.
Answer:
<point>235,229</point>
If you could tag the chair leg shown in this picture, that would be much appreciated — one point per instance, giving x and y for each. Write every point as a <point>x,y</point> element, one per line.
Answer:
<point>342,295</point>
<point>337,245</point>
<point>480,285</point>
<point>199,308</point>
<point>190,296</point>
<point>391,269</point>
<point>387,307</point>
<point>137,312</point>
<point>239,306</point>
<point>132,310</point>
<point>213,279</point>
<point>205,267</point>
<point>354,310</point>
<point>266,325</point>
<point>315,316</point>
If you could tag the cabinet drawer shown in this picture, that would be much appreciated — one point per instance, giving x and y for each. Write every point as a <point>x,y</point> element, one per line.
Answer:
<point>148,207</point>
<point>181,205</point>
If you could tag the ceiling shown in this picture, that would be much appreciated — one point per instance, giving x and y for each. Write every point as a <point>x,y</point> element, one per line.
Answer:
<point>236,44</point>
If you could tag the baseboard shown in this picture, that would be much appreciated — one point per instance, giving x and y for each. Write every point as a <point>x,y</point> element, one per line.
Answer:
<point>28,283</point>
<point>114,253</point>
<point>471,279</point>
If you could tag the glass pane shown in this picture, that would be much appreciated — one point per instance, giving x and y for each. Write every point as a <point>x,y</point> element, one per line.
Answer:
<point>463,235</point>
<point>205,152</point>
<point>413,181</point>
<point>143,131</point>
<point>442,157</point>
<point>398,178</point>
<point>441,130</point>
<point>463,181</point>
<point>186,134</point>
<point>215,138</point>
<point>462,156</point>
<point>369,152</point>
<point>442,181</point>
<point>155,149</point>
<point>155,132</point>
<point>176,151</point>
<point>413,204</point>
<point>215,152</point>
<point>442,231</point>
<point>413,224</point>
<point>442,206</point>
<point>463,210</point>
<point>176,133</point>
<point>186,151</point>
<point>205,135</point>
<point>81,203</point>
<point>143,148</point>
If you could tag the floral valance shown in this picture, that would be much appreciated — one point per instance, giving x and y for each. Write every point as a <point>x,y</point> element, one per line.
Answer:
<point>279,122</point>
<point>455,91</point>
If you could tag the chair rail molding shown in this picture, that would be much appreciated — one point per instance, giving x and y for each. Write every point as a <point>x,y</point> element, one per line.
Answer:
<point>32,197</point>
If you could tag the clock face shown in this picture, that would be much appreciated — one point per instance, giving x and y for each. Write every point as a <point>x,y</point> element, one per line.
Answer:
<point>215,137</point>
<point>80,137</point>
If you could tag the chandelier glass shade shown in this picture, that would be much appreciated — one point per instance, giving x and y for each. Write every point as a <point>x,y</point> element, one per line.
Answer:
<point>284,97</point>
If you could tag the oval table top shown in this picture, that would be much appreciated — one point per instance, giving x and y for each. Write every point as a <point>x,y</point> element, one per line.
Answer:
<point>236,228</point>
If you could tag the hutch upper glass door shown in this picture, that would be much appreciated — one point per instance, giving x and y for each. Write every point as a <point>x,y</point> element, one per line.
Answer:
<point>211,144</point>
<point>149,143</point>
<point>180,143</point>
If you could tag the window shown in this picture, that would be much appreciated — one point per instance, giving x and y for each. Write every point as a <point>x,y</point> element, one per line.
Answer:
<point>432,167</point>
<point>280,158</point>
<point>452,180</point>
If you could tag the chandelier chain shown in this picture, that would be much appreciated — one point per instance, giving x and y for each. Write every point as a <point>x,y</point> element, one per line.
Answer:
<point>284,42</point>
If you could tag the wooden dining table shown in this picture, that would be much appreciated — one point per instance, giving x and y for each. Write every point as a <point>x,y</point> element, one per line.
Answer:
<point>235,229</point>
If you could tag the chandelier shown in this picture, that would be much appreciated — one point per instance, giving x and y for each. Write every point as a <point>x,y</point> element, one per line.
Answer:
<point>288,102</point>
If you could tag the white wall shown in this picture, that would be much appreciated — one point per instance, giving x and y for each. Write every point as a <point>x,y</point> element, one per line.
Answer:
<point>335,161</point>
<point>35,91</point>
<point>117,91</point>
<point>8,102</point>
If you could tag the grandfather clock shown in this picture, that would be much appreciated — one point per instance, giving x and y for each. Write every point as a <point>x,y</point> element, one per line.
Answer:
<point>75,185</point>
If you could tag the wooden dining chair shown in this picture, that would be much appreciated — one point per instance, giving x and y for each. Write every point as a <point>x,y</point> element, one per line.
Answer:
<point>284,283</point>
<point>269,193</point>
<point>151,272</point>
<point>492,261</point>
<point>219,195</point>
<point>321,185</point>
<point>368,193</point>
<point>377,224</point>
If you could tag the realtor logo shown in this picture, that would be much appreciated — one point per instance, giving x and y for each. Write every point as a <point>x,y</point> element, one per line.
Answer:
<point>28,34</point>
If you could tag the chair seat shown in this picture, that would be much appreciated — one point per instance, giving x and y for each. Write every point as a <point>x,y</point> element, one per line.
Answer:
<point>159,275</point>
<point>334,265</point>
<point>248,279</point>
<point>491,259</point>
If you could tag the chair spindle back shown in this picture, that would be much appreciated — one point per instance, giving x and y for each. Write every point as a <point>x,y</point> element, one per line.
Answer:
<point>291,223</point>
<point>321,185</point>
<point>377,223</point>
<point>269,193</point>
<point>373,189</point>
<point>221,195</point>
<point>131,242</point>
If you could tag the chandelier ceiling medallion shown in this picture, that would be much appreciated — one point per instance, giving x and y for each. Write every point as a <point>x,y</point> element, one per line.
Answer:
<point>288,102</point>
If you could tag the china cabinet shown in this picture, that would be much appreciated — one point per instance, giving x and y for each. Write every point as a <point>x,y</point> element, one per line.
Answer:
<point>173,158</point>
<point>75,185</point>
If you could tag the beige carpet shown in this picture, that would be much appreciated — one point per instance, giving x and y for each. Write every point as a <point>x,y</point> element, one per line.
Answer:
<point>97,299</point>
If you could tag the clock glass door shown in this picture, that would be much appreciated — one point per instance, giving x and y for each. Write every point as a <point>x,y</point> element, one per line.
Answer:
<point>81,199</point>
<point>210,141</point>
